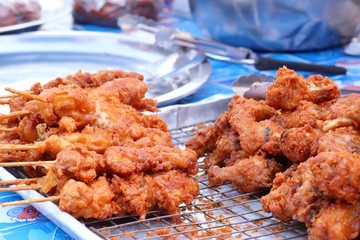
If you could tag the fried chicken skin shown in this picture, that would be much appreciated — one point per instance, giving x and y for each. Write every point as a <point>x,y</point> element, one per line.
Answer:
<point>251,174</point>
<point>289,89</point>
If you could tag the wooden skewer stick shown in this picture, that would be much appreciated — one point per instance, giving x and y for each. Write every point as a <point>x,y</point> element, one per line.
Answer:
<point>19,147</point>
<point>8,129</point>
<point>20,188</point>
<point>25,164</point>
<point>21,202</point>
<point>7,96</point>
<point>4,101</point>
<point>13,114</point>
<point>18,181</point>
<point>26,94</point>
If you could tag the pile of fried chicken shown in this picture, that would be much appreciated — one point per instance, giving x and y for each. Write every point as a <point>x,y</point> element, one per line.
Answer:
<point>110,157</point>
<point>303,142</point>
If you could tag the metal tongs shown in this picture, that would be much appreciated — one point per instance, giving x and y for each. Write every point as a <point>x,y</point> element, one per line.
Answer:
<point>169,38</point>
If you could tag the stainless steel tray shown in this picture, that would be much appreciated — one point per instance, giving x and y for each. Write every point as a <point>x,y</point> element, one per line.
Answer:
<point>219,212</point>
<point>43,56</point>
<point>50,11</point>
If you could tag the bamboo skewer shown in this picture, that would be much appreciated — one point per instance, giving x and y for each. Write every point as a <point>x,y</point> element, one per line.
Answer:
<point>13,114</point>
<point>21,202</point>
<point>19,146</point>
<point>8,129</point>
<point>18,181</point>
<point>7,96</point>
<point>26,94</point>
<point>26,164</point>
<point>4,101</point>
<point>20,188</point>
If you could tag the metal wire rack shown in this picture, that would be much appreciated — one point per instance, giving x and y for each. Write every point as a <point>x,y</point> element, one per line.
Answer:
<point>219,212</point>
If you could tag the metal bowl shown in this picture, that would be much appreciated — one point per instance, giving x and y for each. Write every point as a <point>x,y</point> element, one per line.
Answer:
<point>278,25</point>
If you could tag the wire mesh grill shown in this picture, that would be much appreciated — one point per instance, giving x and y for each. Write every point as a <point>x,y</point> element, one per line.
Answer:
<point>219,212</point>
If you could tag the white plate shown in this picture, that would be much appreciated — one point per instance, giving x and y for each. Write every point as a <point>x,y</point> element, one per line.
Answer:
<point>50,11</point>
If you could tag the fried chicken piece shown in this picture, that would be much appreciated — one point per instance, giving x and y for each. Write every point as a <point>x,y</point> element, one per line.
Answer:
<point>139,193</point>
<point>88,201</point>
<point>256,110</point>
<point>251,174</point>
<point>93,139</point>
<point>337,175</point>
<point>256,135</point>
<point>87,80</point>
<point>205,139</point>
<point>298,144</point>
<point>129,160</point>
<point>72,108</point>
<point>344,112</point>
<point>306,113</point>
<point>78,164</point>
<point>336,221</point>
<point>343,139</point>
<point>295,195</point>
<point>61,102</point>
<point>288,188</point>
<point>130,91</point>
<point>225,145</point>
<point>249,120</point>
<point>235,157</point>
<point>289,89</point>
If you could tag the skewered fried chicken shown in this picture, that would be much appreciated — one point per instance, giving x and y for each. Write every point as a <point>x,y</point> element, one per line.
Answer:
<point>94,200</point>
<point>128,160</point>
<point>80,79</point>
<point>94,139</point>
<point>132,194</point>
<point>164,190</point>
<point>104,147</point>
<point>72,108</point>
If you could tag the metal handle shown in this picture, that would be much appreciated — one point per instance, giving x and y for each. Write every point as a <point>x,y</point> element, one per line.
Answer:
<point>264,63</point>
